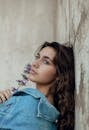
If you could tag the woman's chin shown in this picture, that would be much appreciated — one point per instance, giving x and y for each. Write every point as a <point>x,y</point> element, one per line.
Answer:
<point>31,78</point>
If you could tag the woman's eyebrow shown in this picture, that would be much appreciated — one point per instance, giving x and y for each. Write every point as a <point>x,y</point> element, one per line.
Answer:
<point>46,57</point>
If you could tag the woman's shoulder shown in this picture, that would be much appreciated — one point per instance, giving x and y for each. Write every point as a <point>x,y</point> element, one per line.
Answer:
<point>30,91</point>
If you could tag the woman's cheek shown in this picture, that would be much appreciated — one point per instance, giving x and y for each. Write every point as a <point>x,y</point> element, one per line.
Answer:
<point>47,74</point>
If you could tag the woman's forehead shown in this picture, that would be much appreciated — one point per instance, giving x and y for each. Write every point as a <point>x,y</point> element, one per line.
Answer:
<point>48,51</point>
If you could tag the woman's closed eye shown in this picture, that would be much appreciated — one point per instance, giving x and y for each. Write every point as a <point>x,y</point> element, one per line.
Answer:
<point>44,60</point>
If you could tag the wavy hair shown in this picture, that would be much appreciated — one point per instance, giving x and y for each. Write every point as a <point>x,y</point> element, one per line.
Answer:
<point>64,86</point>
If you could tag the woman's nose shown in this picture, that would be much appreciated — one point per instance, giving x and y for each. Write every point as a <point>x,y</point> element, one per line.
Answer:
<point>35,64</point>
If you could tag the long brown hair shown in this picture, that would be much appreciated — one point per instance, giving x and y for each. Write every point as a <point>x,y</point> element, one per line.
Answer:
<point>65,85</point>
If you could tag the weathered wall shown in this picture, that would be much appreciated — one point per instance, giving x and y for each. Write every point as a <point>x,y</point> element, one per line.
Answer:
<point>62,26</point>
<point>79,36</point>
<point>73,26</point>
<point>23,25</point>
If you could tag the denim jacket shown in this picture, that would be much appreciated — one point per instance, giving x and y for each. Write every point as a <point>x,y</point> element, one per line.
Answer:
<point>28,109</point>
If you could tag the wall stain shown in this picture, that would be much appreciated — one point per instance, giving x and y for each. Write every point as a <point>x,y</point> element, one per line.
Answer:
<point>79,35</point>
<point>80,102</point>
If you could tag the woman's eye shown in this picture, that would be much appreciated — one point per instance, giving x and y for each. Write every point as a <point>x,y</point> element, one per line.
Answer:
<point>46,62</point>
<point>42,60</point>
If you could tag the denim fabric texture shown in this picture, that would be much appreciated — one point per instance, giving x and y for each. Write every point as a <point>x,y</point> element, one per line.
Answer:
<point>28,109</point>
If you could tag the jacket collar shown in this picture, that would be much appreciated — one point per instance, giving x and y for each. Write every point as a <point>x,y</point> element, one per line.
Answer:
<point>31,91</point>
<point>45,109</point>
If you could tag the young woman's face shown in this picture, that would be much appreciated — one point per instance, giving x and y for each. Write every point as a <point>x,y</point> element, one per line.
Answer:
<point>43,70</point>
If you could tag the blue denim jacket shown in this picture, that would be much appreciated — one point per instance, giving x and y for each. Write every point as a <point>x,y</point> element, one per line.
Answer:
<point>28,109</point>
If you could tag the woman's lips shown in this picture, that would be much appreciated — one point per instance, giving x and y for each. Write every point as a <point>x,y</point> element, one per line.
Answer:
<point>33,71</point>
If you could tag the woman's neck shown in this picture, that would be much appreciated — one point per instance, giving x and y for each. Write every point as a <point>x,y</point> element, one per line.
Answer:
<point>45,90</point>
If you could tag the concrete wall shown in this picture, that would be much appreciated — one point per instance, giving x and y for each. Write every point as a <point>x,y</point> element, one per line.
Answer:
<point>62,26</point>
<point>24,24</point>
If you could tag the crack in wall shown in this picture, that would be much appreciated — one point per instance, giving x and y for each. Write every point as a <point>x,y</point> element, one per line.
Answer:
<point>80,102</point>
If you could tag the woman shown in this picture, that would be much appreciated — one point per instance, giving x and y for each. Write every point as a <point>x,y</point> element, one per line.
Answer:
<point>51,105</point>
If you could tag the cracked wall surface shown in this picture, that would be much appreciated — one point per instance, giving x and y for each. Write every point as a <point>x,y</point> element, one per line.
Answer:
<point>73,26</point>
<point>79,37</point>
